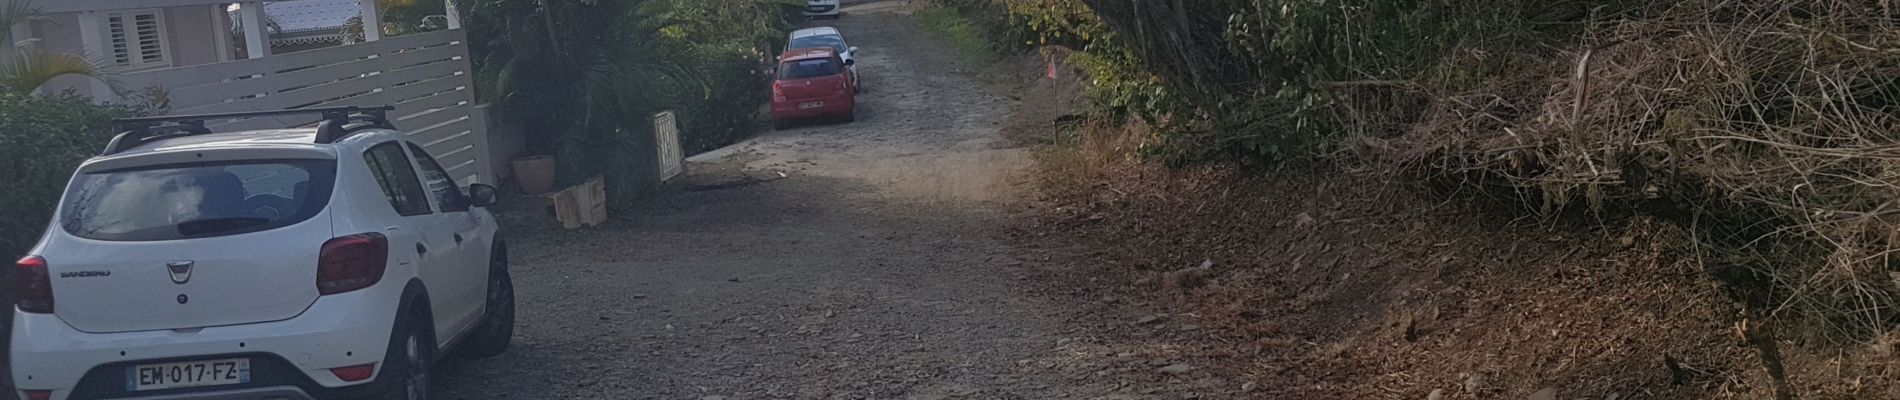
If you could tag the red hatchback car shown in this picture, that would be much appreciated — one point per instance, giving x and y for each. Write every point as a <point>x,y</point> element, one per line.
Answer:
<point>812,83</point>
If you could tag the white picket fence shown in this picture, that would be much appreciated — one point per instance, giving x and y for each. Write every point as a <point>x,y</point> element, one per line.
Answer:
<point>426,76</point>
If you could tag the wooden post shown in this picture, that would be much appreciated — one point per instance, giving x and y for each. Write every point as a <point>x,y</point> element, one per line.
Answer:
<point>484,149</point>
<point>372,20</point>
<point>455,15</point>
<point>256,33</point>
<point>221,32</point>
<point>92,35</point>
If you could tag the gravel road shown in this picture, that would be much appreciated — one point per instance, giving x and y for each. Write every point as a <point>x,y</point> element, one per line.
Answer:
<point>848,261</point>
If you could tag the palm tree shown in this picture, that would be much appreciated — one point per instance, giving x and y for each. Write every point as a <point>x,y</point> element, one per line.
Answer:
<point>29,69</point>
<point>400,17</point>
<point>587,73</point>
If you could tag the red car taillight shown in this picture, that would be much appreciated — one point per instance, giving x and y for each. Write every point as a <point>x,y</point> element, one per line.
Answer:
<point>352,262</point>
<point>34,285</point>
<point>778,92</point>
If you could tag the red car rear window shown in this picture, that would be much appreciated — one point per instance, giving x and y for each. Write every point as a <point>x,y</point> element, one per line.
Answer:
<point>813,68</point>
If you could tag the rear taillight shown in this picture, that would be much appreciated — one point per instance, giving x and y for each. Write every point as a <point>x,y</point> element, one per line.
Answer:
<point>778,92</point>
<point>34,285</point>
<point>354,373</point>
<point>352,262</point>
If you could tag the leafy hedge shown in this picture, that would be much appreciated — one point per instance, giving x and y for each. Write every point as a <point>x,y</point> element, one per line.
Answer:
<point>44,138</point>
<point>584,77</point>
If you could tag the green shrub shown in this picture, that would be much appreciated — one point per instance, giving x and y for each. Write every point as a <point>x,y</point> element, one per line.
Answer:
<point>988,21</point>
<point>736,88</point>
<point>45,138</point>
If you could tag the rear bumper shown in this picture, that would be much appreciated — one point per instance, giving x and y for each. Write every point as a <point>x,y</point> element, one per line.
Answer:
<point>337,331</point>
<point>824,10</point>
<point>835,105</point>
<point>269,393</point>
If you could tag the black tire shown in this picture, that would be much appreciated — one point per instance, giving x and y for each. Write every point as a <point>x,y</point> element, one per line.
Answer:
<point>779,125</point>
<point>406,366</point>
<point>851,116</point>
<point>497,329</point>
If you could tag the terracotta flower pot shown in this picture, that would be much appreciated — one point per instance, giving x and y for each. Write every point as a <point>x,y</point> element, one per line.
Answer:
<point>534,174</point>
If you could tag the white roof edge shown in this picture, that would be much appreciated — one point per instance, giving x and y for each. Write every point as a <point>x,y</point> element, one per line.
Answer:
<point>62,6</point>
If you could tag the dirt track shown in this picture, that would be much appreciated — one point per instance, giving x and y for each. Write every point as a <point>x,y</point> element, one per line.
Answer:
<point>857,261</point>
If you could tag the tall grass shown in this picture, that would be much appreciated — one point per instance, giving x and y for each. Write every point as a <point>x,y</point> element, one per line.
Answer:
<point>970,40</point>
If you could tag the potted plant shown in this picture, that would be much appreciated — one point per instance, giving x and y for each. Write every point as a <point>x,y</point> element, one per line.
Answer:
<point>534,173</point>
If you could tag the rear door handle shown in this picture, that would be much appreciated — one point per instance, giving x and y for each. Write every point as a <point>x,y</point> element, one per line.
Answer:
<point>420,249</point>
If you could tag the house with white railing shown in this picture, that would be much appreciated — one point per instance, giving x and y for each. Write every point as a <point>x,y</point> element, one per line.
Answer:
<point>207,56</point>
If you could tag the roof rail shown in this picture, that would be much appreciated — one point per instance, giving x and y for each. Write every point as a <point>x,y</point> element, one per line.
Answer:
<point>337,123</point>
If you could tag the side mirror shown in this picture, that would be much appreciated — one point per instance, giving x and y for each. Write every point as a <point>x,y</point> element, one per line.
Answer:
<point>854,51</point>
<point>480,195</point>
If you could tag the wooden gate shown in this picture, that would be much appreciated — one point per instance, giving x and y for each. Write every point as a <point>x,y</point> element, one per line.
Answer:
<point>666,134</point>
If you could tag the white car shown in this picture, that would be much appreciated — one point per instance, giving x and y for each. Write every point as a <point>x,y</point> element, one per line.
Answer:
<point>824,9</point>
<point>826,37</point>
<point>316,263</point>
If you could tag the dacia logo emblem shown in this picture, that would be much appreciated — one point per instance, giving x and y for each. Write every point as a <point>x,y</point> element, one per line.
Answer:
<point>181,271</point>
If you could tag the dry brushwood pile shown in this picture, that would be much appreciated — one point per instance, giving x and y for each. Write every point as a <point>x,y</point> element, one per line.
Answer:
<point>1770,127</point>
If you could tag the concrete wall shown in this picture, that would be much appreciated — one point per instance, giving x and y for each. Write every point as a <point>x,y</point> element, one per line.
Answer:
<point>505,143</point>
<point>194,34</point>
<point>6,53</point>
<point>60,33</point>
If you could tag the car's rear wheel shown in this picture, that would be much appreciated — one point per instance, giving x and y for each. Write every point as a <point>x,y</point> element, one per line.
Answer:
<point>779,124</point>
<point>405,371</point>
<point>498,323</point>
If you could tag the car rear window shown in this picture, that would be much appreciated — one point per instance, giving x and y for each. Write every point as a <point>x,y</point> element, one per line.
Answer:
<point>818,42</point>
<point>812,68</point>
<point>196,201</point>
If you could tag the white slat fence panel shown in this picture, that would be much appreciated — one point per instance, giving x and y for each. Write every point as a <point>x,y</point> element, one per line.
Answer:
<point>426,76</point>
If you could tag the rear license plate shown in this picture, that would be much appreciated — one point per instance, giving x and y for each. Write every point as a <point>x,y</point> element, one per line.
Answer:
<point>810,105</point>
<point>188,374</point>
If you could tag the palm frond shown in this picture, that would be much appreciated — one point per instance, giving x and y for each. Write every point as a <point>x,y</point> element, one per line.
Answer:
<point>30,71</point>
